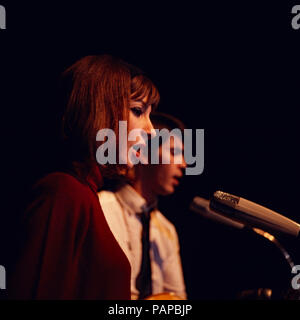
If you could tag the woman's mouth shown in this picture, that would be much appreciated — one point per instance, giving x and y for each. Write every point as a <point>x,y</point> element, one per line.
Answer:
<point>176,181</point>
<point>138,148</point>
<point>138,153</point>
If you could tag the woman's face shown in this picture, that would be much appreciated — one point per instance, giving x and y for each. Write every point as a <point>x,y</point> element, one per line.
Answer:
<point>139,121</point>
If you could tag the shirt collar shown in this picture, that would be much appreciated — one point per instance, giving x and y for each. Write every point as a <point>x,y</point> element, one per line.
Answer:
<point>132,200</point>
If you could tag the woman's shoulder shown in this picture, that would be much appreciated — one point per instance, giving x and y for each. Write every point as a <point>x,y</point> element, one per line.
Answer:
<point>60,196</point>
<point>63,184</point>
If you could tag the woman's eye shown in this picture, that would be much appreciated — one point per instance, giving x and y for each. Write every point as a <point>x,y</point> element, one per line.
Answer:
<point>137,111</point>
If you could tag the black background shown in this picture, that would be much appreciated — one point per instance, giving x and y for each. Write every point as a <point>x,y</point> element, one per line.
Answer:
<point>231,68</point>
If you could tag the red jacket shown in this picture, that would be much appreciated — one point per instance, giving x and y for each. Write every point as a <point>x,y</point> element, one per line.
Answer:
<point>69,251</point>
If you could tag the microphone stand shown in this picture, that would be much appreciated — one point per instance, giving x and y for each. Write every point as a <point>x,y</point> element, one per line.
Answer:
<point>290,293</point>
<point>271,238</point>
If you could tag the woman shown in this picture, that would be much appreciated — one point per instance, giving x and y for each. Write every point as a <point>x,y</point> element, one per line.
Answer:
<point>68,249</point>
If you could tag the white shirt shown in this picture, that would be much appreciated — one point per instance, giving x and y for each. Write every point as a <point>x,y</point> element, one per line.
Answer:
<point>121,210</point>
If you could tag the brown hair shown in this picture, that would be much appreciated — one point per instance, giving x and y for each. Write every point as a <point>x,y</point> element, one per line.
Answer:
<point>166,121</point>
<point>95,92</point>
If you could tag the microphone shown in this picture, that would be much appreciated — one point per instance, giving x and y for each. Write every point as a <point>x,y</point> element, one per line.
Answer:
<point>252,214</point>
<point>201,206</point>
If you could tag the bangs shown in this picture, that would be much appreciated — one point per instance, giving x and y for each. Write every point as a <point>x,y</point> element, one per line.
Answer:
<point>142,87</point>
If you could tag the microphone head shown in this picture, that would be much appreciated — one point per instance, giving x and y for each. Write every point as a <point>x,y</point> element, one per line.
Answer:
<point>202,207</point>
<point>252,214</point>
<point>226,198</point>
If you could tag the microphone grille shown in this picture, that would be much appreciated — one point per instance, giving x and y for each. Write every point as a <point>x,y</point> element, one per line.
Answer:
<point>226,198</point>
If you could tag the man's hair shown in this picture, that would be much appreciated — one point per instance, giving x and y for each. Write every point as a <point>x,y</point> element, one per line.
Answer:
<point>166,121</point>
<point>95,94</point>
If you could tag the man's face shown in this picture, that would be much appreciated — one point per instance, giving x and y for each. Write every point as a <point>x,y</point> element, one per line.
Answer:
<point>163,178</point>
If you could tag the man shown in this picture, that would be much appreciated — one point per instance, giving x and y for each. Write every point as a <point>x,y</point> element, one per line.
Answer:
<point>148,239</point>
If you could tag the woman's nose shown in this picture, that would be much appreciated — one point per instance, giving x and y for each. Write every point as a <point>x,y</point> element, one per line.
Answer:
<point>150,129</point>
<point>183,164</point>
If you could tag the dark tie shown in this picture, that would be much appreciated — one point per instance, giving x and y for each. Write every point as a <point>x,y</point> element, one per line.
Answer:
<point>143,280</point>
